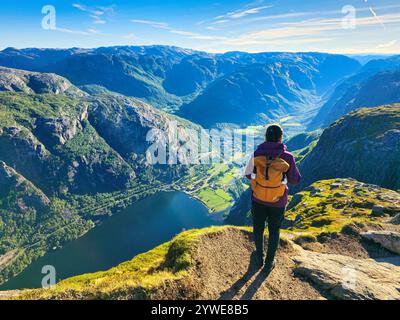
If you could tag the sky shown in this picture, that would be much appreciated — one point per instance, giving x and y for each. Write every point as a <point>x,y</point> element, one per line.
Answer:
<point>336,26</point>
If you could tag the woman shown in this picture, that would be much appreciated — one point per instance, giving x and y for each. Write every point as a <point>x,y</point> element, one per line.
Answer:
<point>270,169</point>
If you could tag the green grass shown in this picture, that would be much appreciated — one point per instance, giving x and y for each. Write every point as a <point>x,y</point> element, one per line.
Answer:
<point>25,108</point>
<point>327,209</point>
<point>216,200</point>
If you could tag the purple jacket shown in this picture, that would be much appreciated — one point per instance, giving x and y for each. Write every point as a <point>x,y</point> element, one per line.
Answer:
<point>276,150</point>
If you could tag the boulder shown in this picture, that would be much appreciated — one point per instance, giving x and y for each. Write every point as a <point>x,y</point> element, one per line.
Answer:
<point>388,239</point>
<point>395,219</point>
<point>344,277</point>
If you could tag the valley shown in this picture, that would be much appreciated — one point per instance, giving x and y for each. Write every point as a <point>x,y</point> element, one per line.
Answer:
<point>74,168</point>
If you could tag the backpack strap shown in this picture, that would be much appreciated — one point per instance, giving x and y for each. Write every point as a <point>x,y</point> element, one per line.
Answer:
<point>268,163</point>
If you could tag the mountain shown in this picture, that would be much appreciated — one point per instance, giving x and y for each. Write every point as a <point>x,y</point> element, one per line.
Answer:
<point>375,84</point>
<point>283,84</point>
<point>364,145</point>
<point>334,223</point>
<point>302,140</point>
<point>68,158</point>
<point>302,144</point>
<point>34,82</point>
<point>365,58</point>
<point>208,86</point>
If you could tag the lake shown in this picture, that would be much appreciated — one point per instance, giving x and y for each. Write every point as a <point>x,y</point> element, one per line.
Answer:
<point>137,229</point>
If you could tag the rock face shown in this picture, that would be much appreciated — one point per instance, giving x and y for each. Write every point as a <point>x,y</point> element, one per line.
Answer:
<point>34,82</point>
<point>387,239</point>
<point>302,140</point>
<point>396,219</point>
<point>348,278</point>
<point>364,145</point>
<point>57,149</point>
<point>27,195</point>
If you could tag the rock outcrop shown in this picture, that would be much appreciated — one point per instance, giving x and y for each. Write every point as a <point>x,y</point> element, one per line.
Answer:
<point>348,278</point>
<point>363,145</point>
<point>15,80</point>
<point>329,205</point>
<point>387,239</point>
<point>26,194</point>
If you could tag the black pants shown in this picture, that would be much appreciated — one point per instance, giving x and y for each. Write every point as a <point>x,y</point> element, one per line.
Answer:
<point>274,216</point>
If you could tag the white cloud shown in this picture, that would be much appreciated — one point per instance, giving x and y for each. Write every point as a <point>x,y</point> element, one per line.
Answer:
<point>238,14</point>
<point>243,13</point>
<point>197,36</point>
<point>387,45</point>
<point>97,13</point>
<point>154,24</point>
<point>97,20</point>
<point>184,33</point>
<point>131,36</point>
<point>80,7</point>
<point>77,32</point>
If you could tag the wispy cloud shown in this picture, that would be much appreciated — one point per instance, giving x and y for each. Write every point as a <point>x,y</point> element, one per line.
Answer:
<point>243,13</point>
<point>238,14</point>
<point>184,33</point>
<point>387,45</point>
<point>306,29</point>
<point>154,24</point>
<point>197,36</point>
<point>98,14</point>
<point>131,36</point>
<point>88,32</point>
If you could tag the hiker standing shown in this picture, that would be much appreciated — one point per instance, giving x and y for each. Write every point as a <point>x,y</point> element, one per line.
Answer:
<point>270,170</point>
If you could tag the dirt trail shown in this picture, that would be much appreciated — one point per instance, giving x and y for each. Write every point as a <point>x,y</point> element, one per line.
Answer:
<point>224,269</point>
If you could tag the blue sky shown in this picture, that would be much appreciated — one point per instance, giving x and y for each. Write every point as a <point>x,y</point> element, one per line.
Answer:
<point>349,26</point>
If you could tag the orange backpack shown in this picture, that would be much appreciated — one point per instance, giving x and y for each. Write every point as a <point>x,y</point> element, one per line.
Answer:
<point>269,185</point>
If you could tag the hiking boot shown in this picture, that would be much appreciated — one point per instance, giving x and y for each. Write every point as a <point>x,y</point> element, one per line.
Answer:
<point>258,260</point>
<point>269,266</point>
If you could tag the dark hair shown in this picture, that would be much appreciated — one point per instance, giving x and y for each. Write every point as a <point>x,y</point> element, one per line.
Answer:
<point>274,133</point>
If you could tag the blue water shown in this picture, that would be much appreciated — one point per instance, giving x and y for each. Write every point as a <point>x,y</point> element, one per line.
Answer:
<point>137,229</point>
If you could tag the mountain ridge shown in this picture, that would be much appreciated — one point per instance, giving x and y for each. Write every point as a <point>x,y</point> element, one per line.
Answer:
<point>170,77</point>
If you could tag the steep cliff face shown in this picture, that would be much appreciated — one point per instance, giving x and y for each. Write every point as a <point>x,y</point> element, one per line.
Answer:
<point>364,145</point>
<point>26,194</point>
<point>34,82</point>
<point>49,140</point>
